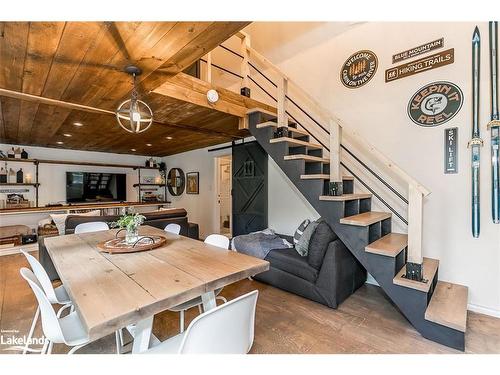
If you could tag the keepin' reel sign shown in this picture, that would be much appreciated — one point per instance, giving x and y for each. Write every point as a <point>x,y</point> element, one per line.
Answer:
<point>435,103</point>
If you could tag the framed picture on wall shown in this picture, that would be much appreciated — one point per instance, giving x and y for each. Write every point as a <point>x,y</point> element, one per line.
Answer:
<point>192,183</point>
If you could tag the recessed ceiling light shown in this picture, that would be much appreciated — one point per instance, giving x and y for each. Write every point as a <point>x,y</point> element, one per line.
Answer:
<point>148,144</point>
<point>67,135</point>
<point>60,142</point>
<point>133,149</point>
<point>169,138</point>
<point>77,124</point>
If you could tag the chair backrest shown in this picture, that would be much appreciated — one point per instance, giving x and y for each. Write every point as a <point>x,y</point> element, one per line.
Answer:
<point>173,228</point>
<point>50,323</point>
<point>93,226</point>
<point>227,329</point>
<point>218,240</point>
<point>42,277</point>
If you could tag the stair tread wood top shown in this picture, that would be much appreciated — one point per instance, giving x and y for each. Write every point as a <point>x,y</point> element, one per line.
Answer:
<point>366,218</point>
<point>389,245</point>
<point>430,267</point>
<point>344,197</point>
<point>307,158</point>
<point>296,142</point>
<point>448,306</point>
<point>273,124</point>
<point>322,176</point>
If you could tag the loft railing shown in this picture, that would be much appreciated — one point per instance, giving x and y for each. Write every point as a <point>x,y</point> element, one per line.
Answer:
<point>335,131</point>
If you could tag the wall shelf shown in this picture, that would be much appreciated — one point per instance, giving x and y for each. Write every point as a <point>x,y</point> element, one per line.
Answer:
<point>144,184</point>
<point>18,184</point>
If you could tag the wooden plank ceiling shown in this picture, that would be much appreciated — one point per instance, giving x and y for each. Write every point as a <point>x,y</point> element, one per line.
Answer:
<point>82,62</point>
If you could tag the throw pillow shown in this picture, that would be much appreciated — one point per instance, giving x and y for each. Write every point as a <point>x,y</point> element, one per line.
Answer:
<point>60,219</point>
<point>300,230</point>
<point>319,242</point>
<point>302,246</point>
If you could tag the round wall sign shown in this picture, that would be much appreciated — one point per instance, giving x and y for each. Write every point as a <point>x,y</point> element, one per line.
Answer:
<point>435,103</point>
<point>358,69</point>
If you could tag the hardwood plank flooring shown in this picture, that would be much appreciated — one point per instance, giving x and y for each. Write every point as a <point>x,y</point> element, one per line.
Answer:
<point>285,323</point>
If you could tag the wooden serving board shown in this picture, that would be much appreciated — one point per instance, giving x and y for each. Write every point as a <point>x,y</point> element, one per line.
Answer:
<point>119,246</point>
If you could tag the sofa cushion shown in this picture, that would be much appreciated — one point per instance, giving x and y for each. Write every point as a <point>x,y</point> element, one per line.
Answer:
<point>318,244</point>
<point>290,261</point>
<point>302,246</point>
<point>300,230</point>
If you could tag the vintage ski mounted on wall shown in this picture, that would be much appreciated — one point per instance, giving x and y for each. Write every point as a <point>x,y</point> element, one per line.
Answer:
<point>476,142</point>
<point>494,124</point>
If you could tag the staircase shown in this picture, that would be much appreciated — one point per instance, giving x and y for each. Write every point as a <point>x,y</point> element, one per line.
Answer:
<point>438,310</point>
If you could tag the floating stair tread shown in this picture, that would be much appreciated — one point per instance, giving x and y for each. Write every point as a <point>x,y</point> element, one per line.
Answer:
<point>307,158</point>
<point>430,268</point>
<point>273,124</point>
<point>448,306</point>
<point>262,110</point>
<point>390,245</point>
<point>366,218</point>
<point>296,142</point>
<point>322,176</point>
<point>344,197</point>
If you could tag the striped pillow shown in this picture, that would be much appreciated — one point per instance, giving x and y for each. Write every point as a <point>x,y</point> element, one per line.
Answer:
<point>300,230</point>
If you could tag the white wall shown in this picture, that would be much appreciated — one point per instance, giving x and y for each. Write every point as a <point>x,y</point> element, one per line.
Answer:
<point>378,112</point>
<point>52,177</point>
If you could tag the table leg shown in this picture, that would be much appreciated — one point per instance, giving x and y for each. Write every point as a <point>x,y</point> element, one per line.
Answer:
<point>142,335</point>
<point>208,301</point>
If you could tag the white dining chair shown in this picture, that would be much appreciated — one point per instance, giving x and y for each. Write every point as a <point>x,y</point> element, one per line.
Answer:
<point>56,296</point>
<point>93,226</point>
<point>227,329</point>
<point>68,330</point>
<point>173,228</point>
<point>215,240</point>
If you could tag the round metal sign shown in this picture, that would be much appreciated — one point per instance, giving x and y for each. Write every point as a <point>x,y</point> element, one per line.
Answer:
<point>435,103</point>
<point>358,69</point>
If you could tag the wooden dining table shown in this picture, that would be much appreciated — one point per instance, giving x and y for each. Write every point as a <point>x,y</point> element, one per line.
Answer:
<point>113,291</point>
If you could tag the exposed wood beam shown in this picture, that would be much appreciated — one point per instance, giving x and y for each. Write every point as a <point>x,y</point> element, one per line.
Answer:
<point>80,107</point>
<point>189,89</point>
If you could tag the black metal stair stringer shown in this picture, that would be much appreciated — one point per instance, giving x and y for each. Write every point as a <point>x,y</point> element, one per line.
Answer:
<point>412,303</point>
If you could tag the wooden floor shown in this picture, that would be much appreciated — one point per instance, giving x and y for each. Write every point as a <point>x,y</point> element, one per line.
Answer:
<point>366,323</point>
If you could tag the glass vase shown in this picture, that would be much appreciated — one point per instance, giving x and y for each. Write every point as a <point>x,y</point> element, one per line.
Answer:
<point>132,235</point>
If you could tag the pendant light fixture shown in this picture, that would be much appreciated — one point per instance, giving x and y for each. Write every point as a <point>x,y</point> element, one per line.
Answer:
<point>133,114</point>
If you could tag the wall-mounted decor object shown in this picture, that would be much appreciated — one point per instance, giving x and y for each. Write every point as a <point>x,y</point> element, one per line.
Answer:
<point>358,69</point>
<point>2,155</point>
<point>435,103</point>
<point>11,153</point>
<point>12,177</point>
<point>20,176</point>
<point>24,154</point>
<point>176,181</point>
<point>148,180</point>
<point>494,124</point>
<point>3,176</point>
<point>415,51</point>
<point>421,65</point>
<point>134,115</point>
<point>450,150</point>
<point>193,183</point>
<point>17,153</point>
<point>476,142</point>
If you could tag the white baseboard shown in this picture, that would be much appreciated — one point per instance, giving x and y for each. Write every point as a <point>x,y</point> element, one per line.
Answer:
<point>483,310</point>
<point>471,307</point>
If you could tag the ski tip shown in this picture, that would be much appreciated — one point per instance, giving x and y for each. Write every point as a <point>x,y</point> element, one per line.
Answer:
<point>476,36</point>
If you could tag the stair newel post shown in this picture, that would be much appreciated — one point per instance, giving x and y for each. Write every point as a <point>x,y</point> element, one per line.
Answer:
<point>282,92</point>
<point>245,64</point>
<point>335,186</point>
<point>414,270</point>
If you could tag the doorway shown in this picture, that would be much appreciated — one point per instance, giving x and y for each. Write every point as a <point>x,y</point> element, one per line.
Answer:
<point>224,202</point>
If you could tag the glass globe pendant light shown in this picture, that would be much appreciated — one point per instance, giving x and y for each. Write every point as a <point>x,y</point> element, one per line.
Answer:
<point>134,115</point>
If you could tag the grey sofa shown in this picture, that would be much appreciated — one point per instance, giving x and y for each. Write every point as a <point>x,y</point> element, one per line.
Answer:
<point>332,276</point>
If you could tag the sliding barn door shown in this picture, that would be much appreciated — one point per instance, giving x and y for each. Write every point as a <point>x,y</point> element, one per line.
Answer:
<point>249,188</point>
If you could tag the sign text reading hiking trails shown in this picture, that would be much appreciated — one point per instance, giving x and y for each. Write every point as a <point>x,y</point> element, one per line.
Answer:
<point>358,69</point>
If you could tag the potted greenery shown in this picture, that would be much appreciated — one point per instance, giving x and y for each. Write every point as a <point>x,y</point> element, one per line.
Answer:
<point>131,223</point>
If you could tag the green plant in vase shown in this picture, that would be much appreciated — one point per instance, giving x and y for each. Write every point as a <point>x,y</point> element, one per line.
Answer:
<point>131,223</point>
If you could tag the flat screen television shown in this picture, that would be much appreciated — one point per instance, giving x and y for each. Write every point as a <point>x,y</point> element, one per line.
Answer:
<point>88,187</point>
